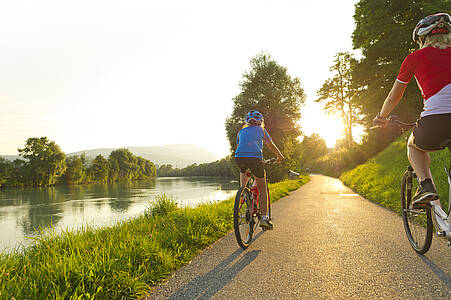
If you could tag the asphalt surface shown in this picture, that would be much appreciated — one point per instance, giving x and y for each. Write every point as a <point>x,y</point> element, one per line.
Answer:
<point>327,243</point>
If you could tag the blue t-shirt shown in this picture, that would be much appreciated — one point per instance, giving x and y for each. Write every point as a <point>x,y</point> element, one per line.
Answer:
<point>250,142</point>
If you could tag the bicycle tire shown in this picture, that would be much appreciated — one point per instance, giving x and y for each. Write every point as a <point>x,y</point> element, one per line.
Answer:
<point>243,222</point>
<point>417,222</point>
<point>269,201</point>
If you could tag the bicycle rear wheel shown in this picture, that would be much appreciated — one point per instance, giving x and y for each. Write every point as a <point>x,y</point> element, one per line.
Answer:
<point>244,223</point>
<point>417,222</point>
<point>269,201</point>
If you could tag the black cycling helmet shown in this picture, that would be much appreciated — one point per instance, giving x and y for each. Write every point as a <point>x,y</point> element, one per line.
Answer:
<point>434,24</point>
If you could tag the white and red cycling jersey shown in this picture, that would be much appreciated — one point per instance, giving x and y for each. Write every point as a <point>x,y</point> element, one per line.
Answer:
<point>432,70</point>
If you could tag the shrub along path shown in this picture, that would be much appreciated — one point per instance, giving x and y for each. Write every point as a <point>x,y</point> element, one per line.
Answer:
<point>328,242</point>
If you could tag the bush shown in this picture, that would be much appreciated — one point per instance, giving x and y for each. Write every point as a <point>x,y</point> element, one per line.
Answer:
<point>335,163</point>
<point>161,207</point>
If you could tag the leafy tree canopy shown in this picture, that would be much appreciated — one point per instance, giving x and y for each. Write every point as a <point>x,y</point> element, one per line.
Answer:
<point>383,33</point>
<point>45,159</point>
<point>311,148</point>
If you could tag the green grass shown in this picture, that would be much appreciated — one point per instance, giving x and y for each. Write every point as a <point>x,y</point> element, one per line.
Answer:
<point>122,261</point>
<point>379,179</point>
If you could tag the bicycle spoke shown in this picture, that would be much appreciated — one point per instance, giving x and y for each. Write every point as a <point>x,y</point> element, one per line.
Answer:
<point>417,222</point>
<point>242,220</point>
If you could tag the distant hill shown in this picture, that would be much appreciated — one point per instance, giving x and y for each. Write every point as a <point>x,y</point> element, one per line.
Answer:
<point>180,155</point>
<point>11,157</point>
<point>177,155</point>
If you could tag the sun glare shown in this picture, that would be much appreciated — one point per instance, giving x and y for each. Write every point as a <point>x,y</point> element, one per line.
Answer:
<point>329,127</point>
<point>315,120</point>
<point>331,130</point>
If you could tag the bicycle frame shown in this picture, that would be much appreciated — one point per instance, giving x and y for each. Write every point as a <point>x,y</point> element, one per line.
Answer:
<point>248,195</point>
<point>252,186</point>
<point>441,220</point>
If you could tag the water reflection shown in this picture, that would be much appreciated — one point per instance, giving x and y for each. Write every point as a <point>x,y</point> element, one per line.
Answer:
<point>23,212</point>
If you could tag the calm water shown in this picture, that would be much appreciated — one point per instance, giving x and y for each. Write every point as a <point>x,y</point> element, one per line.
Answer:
<point>24,211</point>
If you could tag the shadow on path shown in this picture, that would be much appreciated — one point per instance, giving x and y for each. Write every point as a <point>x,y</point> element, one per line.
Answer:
<point>208,284</point>
<point>437,271</point>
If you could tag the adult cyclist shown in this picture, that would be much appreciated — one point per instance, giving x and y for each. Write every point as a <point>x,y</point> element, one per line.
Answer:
<point>249,155</point>
<point>431,66</point>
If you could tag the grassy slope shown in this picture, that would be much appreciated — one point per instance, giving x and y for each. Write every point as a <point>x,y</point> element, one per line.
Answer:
<point>121,261</point>
<point>379,179</point>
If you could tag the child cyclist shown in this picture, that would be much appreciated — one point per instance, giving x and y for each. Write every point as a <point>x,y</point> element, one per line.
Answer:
<point>249,155</point>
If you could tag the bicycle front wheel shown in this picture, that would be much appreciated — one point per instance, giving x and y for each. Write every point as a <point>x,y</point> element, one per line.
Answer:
<point>244,223</point>
<point>417,222</point>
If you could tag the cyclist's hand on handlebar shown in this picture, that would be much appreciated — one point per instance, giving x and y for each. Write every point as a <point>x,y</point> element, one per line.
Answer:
<point>378,121</point>
<point>279,159</point>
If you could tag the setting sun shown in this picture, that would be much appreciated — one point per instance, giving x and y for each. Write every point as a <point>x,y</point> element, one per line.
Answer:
<point>329,127</point>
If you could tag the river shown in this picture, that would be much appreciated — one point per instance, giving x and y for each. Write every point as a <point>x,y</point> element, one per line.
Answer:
<point>25,212</point>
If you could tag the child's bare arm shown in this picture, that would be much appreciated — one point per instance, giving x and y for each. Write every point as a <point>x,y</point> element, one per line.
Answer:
<point>274,150</point>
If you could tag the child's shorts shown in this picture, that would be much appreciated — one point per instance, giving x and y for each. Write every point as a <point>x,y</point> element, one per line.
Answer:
<point>253,163</point>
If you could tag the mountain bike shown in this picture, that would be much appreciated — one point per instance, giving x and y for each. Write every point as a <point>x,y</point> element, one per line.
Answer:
<point>246,211</point>
<point>420,221</point>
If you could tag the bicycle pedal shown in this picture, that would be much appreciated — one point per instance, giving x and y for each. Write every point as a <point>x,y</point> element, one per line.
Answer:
<point>420,205</point>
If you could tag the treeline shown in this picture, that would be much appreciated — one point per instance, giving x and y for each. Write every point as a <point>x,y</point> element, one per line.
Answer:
<point>225,167</point>
<point>343,159</point>
<point>44,164</point>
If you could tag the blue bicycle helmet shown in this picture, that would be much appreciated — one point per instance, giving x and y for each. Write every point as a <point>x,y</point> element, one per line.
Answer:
<point>254,117</point>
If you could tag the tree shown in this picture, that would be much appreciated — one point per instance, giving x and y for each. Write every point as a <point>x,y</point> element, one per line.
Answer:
<point>45,161</point>
<point>5,171</point>
<point>338,93</point>
<point>124,166</point>
<point>268,88</point>
<point>167,170</point>
<point>76,170</point>
<point>146,169</point>
<point>98,170</point>
<point>311,148</point>
<point>383,33</point>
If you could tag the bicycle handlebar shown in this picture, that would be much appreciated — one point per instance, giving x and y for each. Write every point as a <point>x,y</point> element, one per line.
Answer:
<point>270,161</point>
<point>394,121</point>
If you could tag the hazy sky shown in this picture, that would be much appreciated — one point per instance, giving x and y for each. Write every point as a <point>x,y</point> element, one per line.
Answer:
<point>93,74</point>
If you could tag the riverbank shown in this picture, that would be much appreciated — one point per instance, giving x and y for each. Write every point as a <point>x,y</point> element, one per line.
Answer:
<point>124,260</point>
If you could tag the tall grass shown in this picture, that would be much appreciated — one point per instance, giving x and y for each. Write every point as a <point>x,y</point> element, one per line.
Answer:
<point>121,261</point>
<point>379,179</point>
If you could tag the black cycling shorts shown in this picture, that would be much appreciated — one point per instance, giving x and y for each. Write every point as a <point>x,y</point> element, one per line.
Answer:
<point>253,163</point>
<point>431,131</point>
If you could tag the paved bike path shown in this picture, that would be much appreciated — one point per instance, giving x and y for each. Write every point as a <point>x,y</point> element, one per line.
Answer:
<point>327,243</point>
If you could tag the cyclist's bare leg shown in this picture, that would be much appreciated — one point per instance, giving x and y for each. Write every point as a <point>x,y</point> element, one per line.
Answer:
<point>419,160</point>
<point>261,185</point>
<point>243,179</point>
